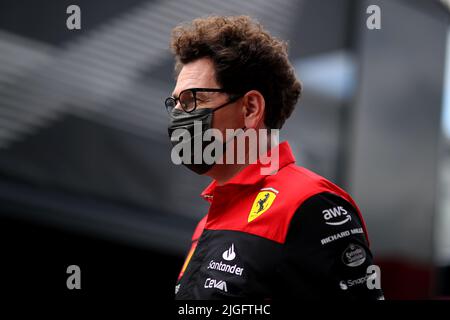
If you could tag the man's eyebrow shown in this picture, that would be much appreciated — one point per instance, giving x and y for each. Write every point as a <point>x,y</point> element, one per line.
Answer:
<point>174,95</point>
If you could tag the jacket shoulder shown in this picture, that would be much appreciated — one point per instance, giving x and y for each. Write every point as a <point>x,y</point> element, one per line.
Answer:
<point>299,184</point>
<point>294,185</point>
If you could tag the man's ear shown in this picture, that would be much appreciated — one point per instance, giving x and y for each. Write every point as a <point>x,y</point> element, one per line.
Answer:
<point>253,109</point>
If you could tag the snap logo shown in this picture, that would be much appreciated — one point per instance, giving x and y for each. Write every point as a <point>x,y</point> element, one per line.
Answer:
<point>262,203</point>
<point>336,216</point>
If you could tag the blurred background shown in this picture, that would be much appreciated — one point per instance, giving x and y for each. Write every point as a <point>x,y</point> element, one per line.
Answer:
<point>85,170</point>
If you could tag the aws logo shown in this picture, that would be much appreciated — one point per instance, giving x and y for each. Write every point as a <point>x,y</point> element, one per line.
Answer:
<point>336,216</point>
<point>262,203</point>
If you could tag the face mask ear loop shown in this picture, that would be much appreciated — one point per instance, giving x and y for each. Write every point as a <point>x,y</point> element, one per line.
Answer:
<point>226,103</point>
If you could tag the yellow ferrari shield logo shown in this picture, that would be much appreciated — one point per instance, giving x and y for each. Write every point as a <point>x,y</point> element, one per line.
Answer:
<point>262,203</point>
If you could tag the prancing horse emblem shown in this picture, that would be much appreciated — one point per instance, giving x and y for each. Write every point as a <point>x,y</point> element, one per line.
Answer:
<point>262,203</point>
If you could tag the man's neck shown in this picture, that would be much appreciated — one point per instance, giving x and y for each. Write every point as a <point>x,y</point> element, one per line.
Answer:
<point>224,172</point>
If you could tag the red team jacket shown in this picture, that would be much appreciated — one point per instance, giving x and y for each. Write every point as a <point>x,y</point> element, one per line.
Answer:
<point>293,234</point>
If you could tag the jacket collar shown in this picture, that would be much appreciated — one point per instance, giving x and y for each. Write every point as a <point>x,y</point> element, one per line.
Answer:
<point>252,173</point>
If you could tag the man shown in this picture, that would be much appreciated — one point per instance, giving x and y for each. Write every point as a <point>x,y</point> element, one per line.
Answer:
<point>286,232</point>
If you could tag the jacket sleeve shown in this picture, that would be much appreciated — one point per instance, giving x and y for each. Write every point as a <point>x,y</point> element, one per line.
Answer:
<point>326,254</point>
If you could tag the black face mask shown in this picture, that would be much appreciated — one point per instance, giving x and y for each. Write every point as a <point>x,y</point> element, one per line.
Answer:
<point>180,119</point>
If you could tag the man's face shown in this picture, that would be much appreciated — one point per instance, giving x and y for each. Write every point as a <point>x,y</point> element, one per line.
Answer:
<point>201,74</point>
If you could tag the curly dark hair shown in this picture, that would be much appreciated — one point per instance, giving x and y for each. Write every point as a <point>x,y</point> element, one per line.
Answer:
<point>245,56</point>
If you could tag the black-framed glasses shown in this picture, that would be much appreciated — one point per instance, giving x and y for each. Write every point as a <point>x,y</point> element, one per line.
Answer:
<point>188,98</point>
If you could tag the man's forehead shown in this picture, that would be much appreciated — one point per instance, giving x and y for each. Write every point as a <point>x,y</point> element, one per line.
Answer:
<point>197,74</point>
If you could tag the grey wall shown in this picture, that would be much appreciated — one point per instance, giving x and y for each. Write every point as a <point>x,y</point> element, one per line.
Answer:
<point>393,173</point>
